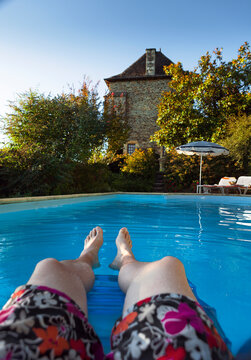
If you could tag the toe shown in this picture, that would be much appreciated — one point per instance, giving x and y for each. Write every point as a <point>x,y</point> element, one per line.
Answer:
<point>124,231</point>
<point>93,232</point>
<point>99,230</point>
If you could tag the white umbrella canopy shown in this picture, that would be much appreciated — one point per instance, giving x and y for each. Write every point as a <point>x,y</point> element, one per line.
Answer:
<point>202,148</point>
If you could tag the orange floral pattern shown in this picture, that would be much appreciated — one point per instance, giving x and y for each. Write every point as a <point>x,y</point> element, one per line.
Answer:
<point>123,325</point>
<point>51,340</point>
<point>17,294</point>
<point>42,323</point>
<point>167,327</point>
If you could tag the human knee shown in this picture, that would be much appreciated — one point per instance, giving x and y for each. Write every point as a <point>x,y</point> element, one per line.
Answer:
<point>172,263</point>
<point>81,269</point>
<point>49,264</point>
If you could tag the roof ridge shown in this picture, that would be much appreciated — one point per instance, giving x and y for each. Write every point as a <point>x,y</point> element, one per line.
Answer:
<point>138,68</point>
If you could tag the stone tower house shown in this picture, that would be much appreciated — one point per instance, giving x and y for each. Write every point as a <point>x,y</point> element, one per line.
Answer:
<point>138,90</point>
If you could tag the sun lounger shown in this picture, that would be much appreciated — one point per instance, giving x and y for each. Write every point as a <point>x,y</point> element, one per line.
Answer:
<point>224,183</point>
<point>243,184</point>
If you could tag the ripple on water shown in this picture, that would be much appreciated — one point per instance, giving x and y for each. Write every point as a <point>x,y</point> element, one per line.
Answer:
<point>211,235</point>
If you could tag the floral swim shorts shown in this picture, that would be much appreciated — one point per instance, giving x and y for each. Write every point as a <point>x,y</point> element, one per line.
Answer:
<point>42,323</point>
<point>167,327</point>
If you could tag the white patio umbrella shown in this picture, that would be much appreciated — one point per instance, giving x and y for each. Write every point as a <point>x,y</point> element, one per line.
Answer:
<point>202,148</point>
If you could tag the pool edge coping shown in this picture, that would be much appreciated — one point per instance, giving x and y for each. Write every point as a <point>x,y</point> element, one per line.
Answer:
<point>5,201</point>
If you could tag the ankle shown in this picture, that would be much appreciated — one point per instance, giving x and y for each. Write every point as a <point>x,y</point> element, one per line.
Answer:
<point>87,256</point>
<point>127,259</point>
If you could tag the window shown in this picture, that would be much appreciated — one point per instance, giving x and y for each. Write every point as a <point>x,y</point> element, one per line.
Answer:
<point>131,148</point>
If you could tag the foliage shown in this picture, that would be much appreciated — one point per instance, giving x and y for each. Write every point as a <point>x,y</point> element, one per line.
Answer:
<point>238,140</point>
<point>66,127</point>
<point>87,178</point>
<point>117,127</point>
<point>134,172</point>
<point>21,173</point>
<point>50,138</point>
<point>141,162</point>
<point>182,171</point>
<point>199,102</point>
<point>53,179</point>
<point>131,183</point>
<point>116,162</point>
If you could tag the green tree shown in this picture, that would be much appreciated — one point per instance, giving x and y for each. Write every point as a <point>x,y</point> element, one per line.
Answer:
<point>238,140</point>
<point>117,127</point>
<point>65,127</point>
<point>200,101</point>
<point>49,136</point>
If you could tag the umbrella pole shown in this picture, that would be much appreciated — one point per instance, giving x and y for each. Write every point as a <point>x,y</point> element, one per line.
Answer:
<point>200,171</point>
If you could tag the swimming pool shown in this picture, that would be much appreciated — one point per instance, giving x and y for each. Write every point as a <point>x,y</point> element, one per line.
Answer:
<point>209,234</point>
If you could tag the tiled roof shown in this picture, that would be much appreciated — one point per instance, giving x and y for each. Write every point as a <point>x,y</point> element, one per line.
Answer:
<point>138,69</point>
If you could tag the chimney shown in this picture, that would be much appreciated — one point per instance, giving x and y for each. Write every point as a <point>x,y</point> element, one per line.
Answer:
<point>150,61</point>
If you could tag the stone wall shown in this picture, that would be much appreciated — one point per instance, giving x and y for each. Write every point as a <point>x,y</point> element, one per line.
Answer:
<point>140,101</point>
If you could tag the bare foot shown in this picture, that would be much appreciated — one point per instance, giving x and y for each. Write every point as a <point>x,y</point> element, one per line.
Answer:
<point>93,243</point>
<point>124,252</point>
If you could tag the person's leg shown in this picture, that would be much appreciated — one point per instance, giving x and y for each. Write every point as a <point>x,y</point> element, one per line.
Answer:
<point>41,320</point>
<point>73,277</point>
<point>139,280</point>
<point>161,317</point>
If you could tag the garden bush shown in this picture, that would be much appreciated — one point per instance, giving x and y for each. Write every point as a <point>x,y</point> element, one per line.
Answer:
<point>89,178</point>
<point>131,183</point>
<point>138,171</point>
<point>182,171</point>
<point>42,175</point>
<point>141,162</point>
<point>25,174</point>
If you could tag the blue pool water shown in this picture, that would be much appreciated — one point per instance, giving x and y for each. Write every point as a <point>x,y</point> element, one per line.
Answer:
<point>209,234</point>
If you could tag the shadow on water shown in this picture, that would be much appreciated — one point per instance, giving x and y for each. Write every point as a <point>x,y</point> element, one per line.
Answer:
<point>244,352</point>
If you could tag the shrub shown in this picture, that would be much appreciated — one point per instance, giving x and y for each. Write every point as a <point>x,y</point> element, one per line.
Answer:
<point>141,162</point>
<point>137,171</point>
<point>42,175</point>
<point>182,171</point>
<point>131,183</point>
<point>238,140</point>
<point>25,174</point>
<point>89,178</point>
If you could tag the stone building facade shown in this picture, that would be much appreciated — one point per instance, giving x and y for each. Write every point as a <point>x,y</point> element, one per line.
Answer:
<point>138,90</point>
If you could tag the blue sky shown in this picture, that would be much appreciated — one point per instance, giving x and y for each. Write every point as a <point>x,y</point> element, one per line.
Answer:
<point>48,44</point>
